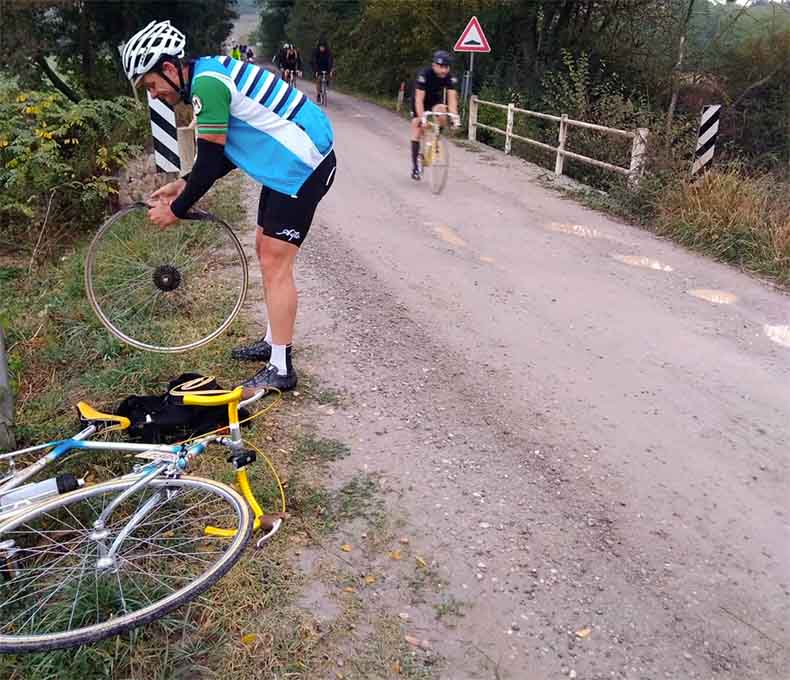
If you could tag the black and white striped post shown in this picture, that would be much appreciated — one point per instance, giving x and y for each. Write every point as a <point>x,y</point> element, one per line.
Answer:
<point>706,140</point>
<point>165,132</point>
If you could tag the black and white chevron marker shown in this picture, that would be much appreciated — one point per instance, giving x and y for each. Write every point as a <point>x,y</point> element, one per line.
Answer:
<point>706,140</point>
<point>163,127</point>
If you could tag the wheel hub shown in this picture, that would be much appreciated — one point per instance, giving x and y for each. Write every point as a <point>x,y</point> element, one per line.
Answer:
<point>167,278</point>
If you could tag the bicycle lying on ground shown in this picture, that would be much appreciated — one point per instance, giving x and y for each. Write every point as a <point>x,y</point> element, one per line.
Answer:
<point>434,152</point>
<point>82,562</point>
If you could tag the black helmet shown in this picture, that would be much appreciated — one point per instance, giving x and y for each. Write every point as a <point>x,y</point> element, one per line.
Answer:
<point>442,58</point>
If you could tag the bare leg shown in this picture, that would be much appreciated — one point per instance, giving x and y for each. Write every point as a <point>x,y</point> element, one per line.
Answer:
<point>276,259</point>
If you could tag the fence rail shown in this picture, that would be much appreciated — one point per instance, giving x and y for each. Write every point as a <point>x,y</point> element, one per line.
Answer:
<point>638,149</point>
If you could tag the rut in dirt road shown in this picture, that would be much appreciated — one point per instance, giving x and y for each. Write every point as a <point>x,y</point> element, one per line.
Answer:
<point>592,452</point>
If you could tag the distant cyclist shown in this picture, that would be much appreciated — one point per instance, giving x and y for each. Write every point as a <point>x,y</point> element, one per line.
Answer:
<point>278,58</point>
<point>322,61</point>
<point>434,90</point>
<point>291,64</point>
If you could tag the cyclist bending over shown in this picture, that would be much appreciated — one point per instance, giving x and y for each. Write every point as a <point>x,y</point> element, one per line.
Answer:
<point>434,90</point>
<point>322,61</point>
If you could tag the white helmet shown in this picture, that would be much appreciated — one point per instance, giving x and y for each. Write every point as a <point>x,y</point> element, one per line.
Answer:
<point>145,47</point>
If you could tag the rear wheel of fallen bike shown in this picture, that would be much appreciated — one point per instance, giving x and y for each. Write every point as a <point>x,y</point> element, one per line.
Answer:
<point>59,588</point>
<point>165,290</point>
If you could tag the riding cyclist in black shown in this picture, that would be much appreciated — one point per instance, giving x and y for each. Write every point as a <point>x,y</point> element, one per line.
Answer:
<point>434,90</point>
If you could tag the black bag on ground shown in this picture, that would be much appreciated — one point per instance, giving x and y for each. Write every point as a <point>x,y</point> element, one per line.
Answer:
<point>164,419</point>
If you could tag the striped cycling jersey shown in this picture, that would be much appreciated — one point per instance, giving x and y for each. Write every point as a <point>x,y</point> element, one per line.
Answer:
<point>274,132</point>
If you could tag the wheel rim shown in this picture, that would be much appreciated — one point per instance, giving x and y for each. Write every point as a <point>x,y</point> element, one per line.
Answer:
<point>168,290</point>
<point>60,598</point>
<point>440,165</point>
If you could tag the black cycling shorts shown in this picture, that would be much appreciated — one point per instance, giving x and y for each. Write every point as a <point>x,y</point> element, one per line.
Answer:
<point>288,218</point>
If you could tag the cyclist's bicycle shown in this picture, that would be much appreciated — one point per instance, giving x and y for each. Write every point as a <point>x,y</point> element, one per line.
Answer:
<point>323,86</point>
<point>434,152</point>
<point>82,562</point>
<point>289,76</point>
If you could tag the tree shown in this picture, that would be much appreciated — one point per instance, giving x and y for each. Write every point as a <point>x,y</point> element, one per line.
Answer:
<point>74,43</point>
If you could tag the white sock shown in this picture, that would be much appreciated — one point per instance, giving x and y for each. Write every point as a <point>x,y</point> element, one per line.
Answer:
<point>268,337</point>
<point>278,359</point>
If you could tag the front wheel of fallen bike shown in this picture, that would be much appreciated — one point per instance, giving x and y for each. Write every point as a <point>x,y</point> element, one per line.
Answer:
<point>440,164</point>
<point>165,290</point>
<point>59,589</point>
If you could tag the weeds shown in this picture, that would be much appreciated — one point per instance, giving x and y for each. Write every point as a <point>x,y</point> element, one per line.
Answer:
<point>734,216</point>
<point>449,607</point>
<point>316,449</point>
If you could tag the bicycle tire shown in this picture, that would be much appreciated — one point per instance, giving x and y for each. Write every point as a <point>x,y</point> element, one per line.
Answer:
<point>23,643</point>
<point>440,165</point>
<point>127,267</point>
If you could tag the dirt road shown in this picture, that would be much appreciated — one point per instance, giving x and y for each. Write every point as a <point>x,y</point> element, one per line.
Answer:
<point>594,461</point>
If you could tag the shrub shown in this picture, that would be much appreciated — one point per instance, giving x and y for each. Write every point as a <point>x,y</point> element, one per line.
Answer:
<point>58,162</point>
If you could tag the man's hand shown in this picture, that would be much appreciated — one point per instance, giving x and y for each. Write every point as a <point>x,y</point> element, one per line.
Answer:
<point>162,215</point>
<point>169,192</point>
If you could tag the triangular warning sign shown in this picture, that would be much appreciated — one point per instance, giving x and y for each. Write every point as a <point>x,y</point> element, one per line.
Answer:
<point>472,39</point>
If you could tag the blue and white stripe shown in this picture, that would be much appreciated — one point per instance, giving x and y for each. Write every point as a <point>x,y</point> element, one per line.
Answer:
<point>275,133</point>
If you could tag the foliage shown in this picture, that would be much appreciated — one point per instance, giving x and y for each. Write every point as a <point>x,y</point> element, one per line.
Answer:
<point>58,161</point>
<point>81,38</point>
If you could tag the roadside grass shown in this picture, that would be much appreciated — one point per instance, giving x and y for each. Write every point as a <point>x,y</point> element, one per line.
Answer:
<point>59,355</point>
<point>737,217</point>
<point>310,447</point>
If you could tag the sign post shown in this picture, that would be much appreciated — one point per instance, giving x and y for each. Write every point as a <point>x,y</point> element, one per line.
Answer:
<point>472,40</point>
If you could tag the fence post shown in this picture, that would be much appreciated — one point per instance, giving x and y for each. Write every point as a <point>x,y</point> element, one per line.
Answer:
<point>558,166</point>
<point>638,154</point>
<point>509,128</point>
<point>401,95</point>
<point>6,401</point>
<point>473,118</point>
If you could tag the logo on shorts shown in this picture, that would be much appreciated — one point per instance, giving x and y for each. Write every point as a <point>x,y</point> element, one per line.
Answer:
<point>197,105</point>
<point>290,234</point>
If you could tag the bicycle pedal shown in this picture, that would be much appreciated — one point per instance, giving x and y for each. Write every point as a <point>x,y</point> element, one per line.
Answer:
<point>242,459</point>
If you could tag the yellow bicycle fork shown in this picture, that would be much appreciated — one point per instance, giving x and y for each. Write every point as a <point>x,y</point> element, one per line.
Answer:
<point>232,400</point>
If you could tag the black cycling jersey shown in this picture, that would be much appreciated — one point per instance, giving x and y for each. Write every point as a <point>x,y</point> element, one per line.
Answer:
<point>290,60</point>
<point>434,86</point>
<point>322,61</point>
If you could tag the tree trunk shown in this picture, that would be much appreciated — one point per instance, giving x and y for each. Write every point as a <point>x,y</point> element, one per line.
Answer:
<point>676,72</point>
<point>6,402</point>
<point>88,58</point>
<point>55,79</point>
